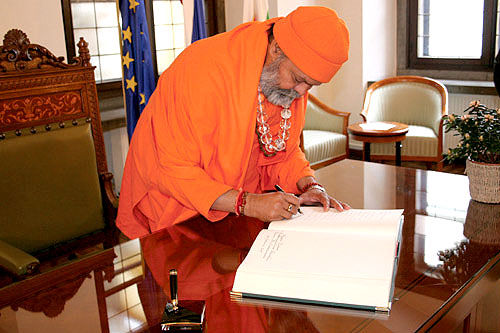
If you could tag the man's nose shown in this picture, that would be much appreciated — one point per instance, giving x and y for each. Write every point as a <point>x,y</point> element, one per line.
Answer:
<point>302,88</point>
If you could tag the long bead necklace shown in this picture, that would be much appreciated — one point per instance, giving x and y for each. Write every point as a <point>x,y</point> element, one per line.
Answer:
<point>266,143</point>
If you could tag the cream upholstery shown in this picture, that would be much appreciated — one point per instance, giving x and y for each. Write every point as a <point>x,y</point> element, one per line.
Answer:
<point>416,101</point>
<point>324,136</point>
<point>420,141</point>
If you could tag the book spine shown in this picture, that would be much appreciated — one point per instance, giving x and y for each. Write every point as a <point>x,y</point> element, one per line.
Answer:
<point>238,296</point>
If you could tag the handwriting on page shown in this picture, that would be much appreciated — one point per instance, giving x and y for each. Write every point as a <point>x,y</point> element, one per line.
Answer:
<point>271,245</point>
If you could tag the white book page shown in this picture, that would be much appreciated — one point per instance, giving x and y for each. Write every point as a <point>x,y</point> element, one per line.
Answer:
<point>355,269</point>
<point>376,126</point>
<point>352,221</point>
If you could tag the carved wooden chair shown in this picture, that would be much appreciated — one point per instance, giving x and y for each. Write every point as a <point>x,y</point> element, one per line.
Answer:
<point>324,137</point>
<point>55,189</point>
<point>420,103</point>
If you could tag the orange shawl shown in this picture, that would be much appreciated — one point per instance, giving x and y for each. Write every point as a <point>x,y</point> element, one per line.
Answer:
<point>194,140</point>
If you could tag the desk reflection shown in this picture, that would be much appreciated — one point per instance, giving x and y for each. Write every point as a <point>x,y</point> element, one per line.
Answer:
<point>482,229</point>
<point>448,276</point>
<point>206,256</point>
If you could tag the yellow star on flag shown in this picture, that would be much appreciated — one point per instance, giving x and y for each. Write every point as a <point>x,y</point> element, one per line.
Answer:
<point>143,99</point>
<point>127,60</point>
<point>133,4</point>
<point>131,84</point>
<point>127,34</point>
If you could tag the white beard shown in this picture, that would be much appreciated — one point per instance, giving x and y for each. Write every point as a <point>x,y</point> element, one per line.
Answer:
<point>269,84</point>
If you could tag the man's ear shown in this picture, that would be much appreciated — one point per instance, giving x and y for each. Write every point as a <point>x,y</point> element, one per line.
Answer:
<point>273,51</point>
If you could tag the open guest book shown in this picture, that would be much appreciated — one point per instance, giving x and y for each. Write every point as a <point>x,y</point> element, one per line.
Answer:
<point>347,259</point>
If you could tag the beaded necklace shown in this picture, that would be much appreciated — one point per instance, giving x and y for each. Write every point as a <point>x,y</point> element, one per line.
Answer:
<point>266,143</point>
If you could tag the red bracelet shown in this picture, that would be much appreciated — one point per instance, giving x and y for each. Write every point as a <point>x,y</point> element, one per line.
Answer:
<point>312,184</point>
<point>243,203</point>
<point>241,200</point>
<point>238,202</point>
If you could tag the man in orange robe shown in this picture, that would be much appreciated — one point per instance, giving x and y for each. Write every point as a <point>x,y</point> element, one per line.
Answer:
<point>223,125</point>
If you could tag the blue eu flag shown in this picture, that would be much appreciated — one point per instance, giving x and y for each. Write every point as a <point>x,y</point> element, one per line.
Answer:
<point>138,73</point>
<point>199,29</point>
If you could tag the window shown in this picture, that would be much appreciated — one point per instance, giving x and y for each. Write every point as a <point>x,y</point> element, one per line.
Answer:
<point>452,34</point>
<point>97,22</point>
<point>169,31</point>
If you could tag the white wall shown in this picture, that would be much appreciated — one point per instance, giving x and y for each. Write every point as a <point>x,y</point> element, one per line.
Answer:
<point>234,13</point>
<point>379,39</point>
<point>345,91</point>
<point>41,20</point>
<point>286,6</point>
<point>372,54</point>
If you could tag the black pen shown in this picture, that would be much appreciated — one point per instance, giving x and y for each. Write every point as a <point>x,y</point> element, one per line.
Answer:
<point>173,289</point>
<point>279,189</point>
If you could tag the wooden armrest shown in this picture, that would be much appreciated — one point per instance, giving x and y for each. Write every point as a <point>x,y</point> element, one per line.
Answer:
<point>16,260</point>
<point>328,109</point>
<point>109,198</point>
<point>110,206</point>
<point>343,114</point>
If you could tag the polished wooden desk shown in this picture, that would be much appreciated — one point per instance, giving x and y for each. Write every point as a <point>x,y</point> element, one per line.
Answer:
<point>447,279</point>
<point>367,136</point>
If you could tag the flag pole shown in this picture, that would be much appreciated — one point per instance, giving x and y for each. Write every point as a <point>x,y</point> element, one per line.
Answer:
<point>117,2</point>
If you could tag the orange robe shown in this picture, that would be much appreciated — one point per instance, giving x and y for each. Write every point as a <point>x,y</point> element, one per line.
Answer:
<point>196,138</point>
<point>206,257</point>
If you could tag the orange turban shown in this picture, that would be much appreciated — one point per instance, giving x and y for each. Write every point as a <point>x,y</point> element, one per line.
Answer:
<point>315,39</point>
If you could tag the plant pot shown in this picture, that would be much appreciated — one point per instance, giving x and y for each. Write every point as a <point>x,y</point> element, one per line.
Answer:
<point>484,181</point>
<point>482,224</point>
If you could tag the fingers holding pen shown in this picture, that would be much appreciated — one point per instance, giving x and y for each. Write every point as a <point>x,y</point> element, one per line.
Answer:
<point>272,206</point>
<point>290,205</point>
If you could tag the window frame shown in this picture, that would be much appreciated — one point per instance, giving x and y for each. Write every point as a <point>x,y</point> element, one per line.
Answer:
<point>458,69</point>
<point>215,20</point>
<point>488,51</point>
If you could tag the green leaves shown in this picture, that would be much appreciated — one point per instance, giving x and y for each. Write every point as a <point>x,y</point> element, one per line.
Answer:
<point>479,129</point>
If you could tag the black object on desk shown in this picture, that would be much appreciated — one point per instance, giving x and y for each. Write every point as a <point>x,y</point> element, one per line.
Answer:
<point>176,318</point>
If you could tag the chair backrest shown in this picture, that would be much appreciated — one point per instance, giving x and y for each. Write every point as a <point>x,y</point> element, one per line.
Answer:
<point>319,119</point>
<point>411,100</point>
<point>51,146</point>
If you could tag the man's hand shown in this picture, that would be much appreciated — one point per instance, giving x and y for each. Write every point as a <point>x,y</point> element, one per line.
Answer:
<point>316,195</point>
<point>271,206</point>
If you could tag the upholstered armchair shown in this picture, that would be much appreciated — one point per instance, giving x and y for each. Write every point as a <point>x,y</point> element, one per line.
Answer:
<point>420,103</point>
<point>56,192</point>
<point>324,138</point>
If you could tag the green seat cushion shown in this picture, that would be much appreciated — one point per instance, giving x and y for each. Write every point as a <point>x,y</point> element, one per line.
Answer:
<point>16,261</point>
<point>49,188</point>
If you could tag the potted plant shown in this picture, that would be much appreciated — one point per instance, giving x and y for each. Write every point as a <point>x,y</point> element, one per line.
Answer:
<point>479,128</point>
